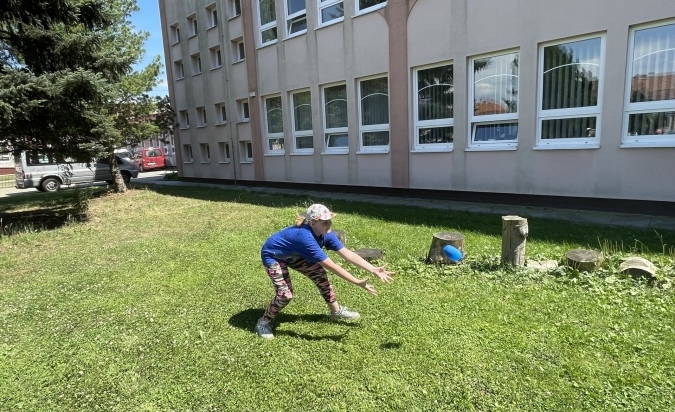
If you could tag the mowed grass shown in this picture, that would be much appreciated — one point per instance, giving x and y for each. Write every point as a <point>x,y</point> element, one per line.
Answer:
<point>150,303</point>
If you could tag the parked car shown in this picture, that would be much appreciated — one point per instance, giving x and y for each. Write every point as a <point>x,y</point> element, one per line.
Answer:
<point>47,172</point>
<point>149,158</point>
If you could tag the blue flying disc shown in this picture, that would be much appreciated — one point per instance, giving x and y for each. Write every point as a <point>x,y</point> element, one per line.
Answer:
<point>452,253</point>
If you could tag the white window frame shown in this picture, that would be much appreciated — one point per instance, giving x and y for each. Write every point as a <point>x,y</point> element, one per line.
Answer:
<point>201,116</point>
<point>490,119</point>
<point>359,10</point>
<point>293,18</point>
<point>175,33</point>
<point>196,63</point>
<point>178,69</point>
<point>246,147</point>
<point>224,152</point>
<point>325,4</point>
<point>588,142</point>
<point>184,119</point>
<point>221,113</point>
<point>274,135</point>
<point>300,133</point>
<point>204,153</point>
<point>212,16</point>
<point>651,140</point>
<point>434,123</point>
<point>329,132</point>
<point>192,25</point>
<point>267,26</point>
<point>243,110</point>
<point>216,57</point>
<point>235,8</point>
<point>187,151</point>
<point>238,50</point>
<point>382,127</point>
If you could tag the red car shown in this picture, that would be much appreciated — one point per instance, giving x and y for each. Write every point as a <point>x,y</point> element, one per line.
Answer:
<point>149,158</point>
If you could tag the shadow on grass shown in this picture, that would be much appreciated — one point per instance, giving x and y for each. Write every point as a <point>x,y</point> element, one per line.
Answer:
<point>545,230</point>
<point>247,319</point>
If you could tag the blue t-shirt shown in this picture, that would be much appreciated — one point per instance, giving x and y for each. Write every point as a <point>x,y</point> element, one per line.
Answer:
<point>296,242</point>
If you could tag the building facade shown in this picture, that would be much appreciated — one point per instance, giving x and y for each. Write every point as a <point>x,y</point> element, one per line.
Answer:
<point>571,99</point>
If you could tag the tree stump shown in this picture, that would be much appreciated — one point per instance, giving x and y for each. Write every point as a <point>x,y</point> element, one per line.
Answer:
<point>584,260</point>
<point>341,235</point>
<point>638,267</point>
<point>369,254</point>
<point>441,240</point>
<point>514,237</point>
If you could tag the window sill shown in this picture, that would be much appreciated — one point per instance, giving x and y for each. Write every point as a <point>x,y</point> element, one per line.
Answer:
<point>568,147</point>
<point>234,17</point>
<point>187,162</point>
<point>211,27</point>
<point>302,153</point>
<point>201,126</point>
<point>221,124</point>
<point>294,35</point>
<point>273,154</point>
<point>370,152</point>
<point>335,152</point>
<point>491,148</point>
<point>238,61</point>
<point>180,78</point>
<point>330,23</point>
<point>205,162</point>
<point>192,35</point>
<point>184,128</point>
<point>433,150</point>
<point>271,43</point>
<point>647,145</point>
<point>246,162</point>
<point>216,68</point>
<point>224,162</point>
<point>196,74</point>
<point>243,121</point>
<point>370,10</point>
<point>175,43</point>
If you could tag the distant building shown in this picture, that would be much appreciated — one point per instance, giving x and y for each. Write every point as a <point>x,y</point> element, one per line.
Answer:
<point>513,99</point>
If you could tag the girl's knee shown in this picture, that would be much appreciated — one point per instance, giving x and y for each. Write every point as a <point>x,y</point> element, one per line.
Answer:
<point>285,295</point>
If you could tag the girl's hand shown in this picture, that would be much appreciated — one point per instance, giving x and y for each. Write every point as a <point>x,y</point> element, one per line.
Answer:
<point>364,284</point>
<point>383,274</point>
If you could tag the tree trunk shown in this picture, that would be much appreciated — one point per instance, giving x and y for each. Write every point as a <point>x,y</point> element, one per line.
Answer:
<point>118,181</point>
<point>638,268</point>
<point>584,260</point>
<point>441,240</point>
<point>514,238</point>
<point>341,235</point>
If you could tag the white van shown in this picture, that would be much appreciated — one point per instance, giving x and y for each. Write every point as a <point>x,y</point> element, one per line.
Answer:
<point>47,172</point>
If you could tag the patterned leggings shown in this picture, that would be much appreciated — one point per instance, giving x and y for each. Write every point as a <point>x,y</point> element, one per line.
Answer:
<point>278,273</point>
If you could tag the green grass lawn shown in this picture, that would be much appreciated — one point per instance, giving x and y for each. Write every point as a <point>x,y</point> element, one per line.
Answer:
<point>147,301</point>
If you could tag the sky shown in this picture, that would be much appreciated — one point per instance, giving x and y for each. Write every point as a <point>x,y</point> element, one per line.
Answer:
<point>147,19</point>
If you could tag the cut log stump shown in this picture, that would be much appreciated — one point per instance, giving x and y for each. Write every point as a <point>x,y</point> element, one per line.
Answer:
<point>638,268</point>
<point>341,235</point>
<point>369,254</point>
<point>441,240</point>
<point>514,238</point>
<point>584,260</point>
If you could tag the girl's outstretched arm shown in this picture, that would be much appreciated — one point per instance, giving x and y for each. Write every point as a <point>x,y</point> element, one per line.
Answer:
<point>353,258</point>
<point>328,264</point>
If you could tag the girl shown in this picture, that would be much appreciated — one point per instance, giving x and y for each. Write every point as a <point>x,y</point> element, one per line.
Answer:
<point>300,247</point>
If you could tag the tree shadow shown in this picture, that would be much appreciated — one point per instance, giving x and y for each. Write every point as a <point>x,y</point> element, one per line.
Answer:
<point>247,319</point>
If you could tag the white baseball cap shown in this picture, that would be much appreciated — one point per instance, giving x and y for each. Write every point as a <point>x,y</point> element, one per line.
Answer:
<point>319,212</point>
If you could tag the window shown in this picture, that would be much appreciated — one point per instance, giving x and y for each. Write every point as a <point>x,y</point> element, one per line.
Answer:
<point>303,141</point>
<point>184,119</point>
<point>296,17</point>
<point>220,113</point>
<point>235,8</point>
<point>330,11</point>
<point>242,106</point>
<point>268,21</point>
<point>433,107</point>
<point>212,16</point>
<point>187,153</point>
<point>274,122</point>
<point>374,114</point>
<point>336,137</point>
<point>174,33</point>
<point>569,84</point>
<point>238,50</point>
<point>369,5</point>
<point>224,152</point>
<point>201,116</point>
<point>649,119</point>
<point>246,150</point>
<point>216,57</point>
<point>494,95</point>
<point>178,69</point>
<point>196,64</point>
<point>192,25</point>
<point>204,153</point>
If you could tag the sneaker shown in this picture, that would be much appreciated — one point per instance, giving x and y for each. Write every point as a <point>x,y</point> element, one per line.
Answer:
<point>345,314</point>
<point>264,329</point>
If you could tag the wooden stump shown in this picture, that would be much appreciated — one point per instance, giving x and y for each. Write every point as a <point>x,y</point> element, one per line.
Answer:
<point>514,238</point>
<point>341,235</point>
<point>638,267</point>
<point>369,254</point>
<point>441,240</point>
<point>584,260</point>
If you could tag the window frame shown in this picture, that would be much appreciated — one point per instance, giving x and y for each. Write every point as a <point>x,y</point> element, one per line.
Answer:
<point>235,8</point>
<point>238,52</point>
<point>174,30</point>
<point>380,127</point>
<point>221,113</point>
<point>224,153</point>
<point>246,147</point>
<point>321,5</point>
<point>490,119</point>
<point>300,133</point>
<point>196,64</point>
<point>192,25</point>
<point>377,6</point>
<point>267,26</point>
<point>216,57</point>
<point>187,151</point>
<point>179,69</point>
<point>294,17</point>
<point>204,153</point>
<point>269,136</point>
<point>651,140</point>
<point>434,123</point>
<point>243,111</point>
<point>211,16</point>
<point>588,142</point>
<point>328,132</point>
<point>184,119</point>
<point>201,116</point>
